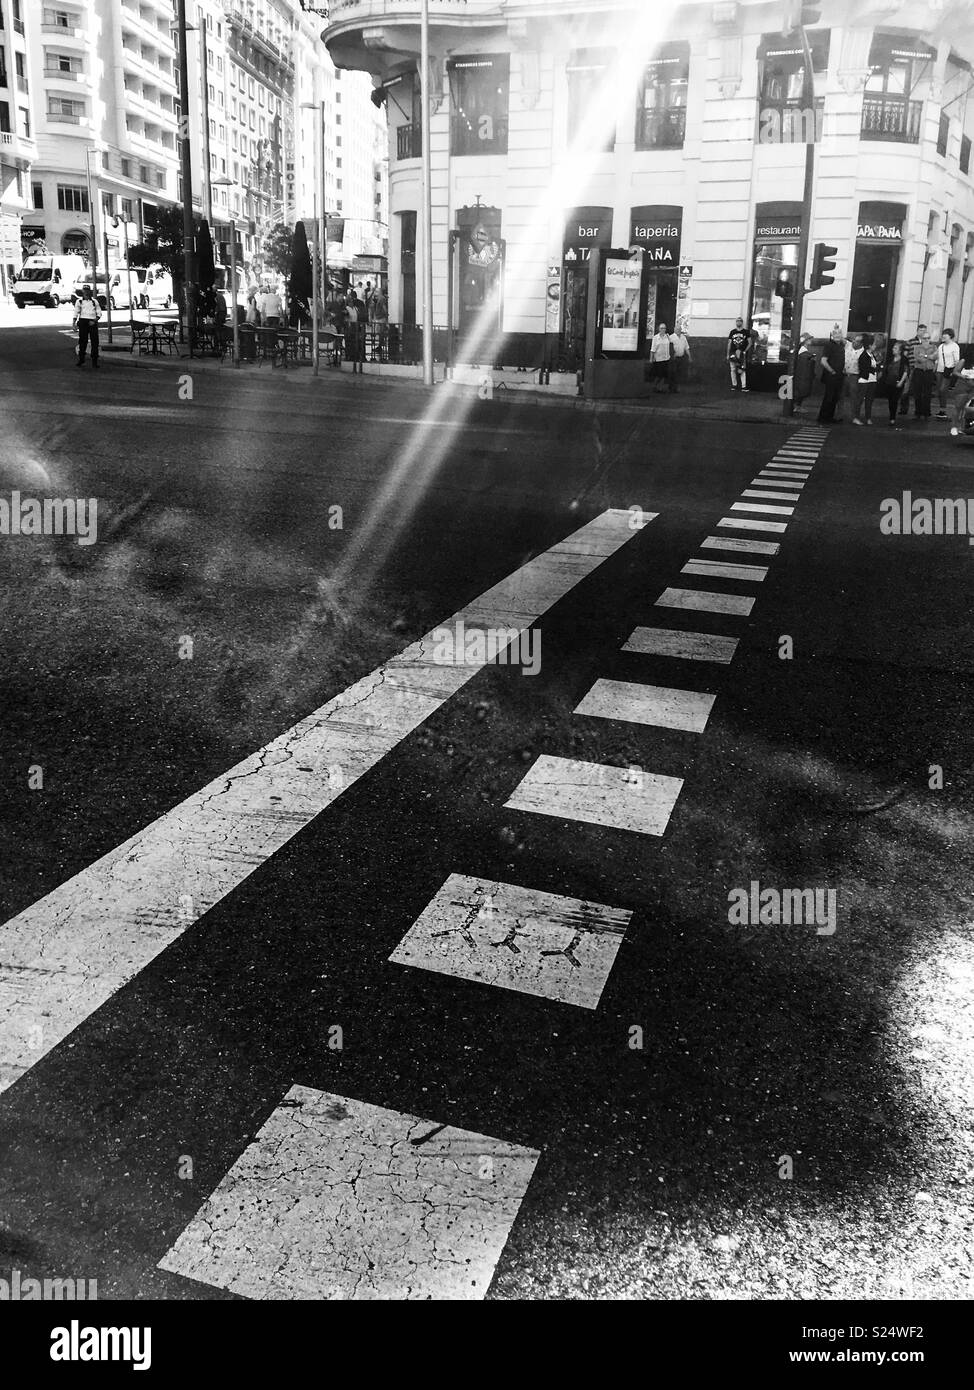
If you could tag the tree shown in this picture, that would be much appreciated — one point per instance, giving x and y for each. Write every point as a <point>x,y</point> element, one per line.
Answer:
<point>163,244</point>
<point>278,250</point>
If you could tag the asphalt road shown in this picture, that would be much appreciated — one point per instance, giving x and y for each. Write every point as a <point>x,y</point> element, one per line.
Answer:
<point>660,1169</point>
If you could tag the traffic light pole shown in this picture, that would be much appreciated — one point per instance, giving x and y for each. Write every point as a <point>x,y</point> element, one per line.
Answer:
<point>808,105</point>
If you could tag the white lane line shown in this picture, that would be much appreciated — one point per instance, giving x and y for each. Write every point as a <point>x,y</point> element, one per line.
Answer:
<point>336,1199</point>
<point>743,523</point>
<point>732,543</point>
<point>768,493</point>
<point>761,507</point>
<point>597,794</point>
<point>516,938</point>
<point>700,601</point>
<point>656,705</point>
<point>68,953</point>
<point>724,569</point>
<point>687,646</point>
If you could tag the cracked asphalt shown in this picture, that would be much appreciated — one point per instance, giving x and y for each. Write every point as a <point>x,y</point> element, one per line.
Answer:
<point>661,1168</point>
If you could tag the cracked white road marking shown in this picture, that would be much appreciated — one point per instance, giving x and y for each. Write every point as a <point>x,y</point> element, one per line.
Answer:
<point>336,1199</point>
<point>732,543</point>
<point>657,705</point>
<point>516,938</point>
<point>702,601</point>
<point>760,507</point>
<point>769,492</point>
<point>724,569</point>
<point>688,646</point>
<point>598,794</point>
<point>68,953</point>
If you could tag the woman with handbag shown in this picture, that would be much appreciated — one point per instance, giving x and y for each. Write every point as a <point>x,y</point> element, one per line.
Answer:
<point>948,365</point>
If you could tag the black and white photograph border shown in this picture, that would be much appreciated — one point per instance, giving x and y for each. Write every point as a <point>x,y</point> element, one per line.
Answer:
<point>487,809</point>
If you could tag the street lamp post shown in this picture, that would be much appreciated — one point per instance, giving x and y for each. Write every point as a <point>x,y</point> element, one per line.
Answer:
<point>424,96</point>
<point>91,215</point>
<point>229,183</point>
<point>186,171</point>
<point>320,267</point>
<point>128,268</point>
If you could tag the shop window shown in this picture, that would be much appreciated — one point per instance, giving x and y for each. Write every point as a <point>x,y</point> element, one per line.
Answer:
<point>479,93</point>
<point>773,299</point>
<point>661,108</point>
<point>589,125</point>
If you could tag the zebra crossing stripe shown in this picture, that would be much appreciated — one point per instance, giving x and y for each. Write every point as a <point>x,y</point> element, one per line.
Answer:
<point>597,794</point>
<point>760,507</point>
<point>700,601</point>
<point>733,543</point>
<point>66,955</point>
<point>516,938</point>
<point>743,523</point>
<point>686,646</point>
<point>725,569</point>
<point>767,492</point>
<point>656,705</point>
<point>337,1199</point>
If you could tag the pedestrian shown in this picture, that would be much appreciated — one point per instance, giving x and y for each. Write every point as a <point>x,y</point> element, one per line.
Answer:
<point>355,331</point>
<point>379,310</point>
<point>86,316</point>
<point>253,313</point>
<point>867,375</point>
<point>850,386</point>
<point>896,374</point>
<point>924,372</point>
<point>680,366</point>
<point>661,359</point>
<point>270,309</point>
<point>833,372</point>
<point>948,366</point>
<point>909,351</point>
<point>804,381</point>
<point>740,344</point>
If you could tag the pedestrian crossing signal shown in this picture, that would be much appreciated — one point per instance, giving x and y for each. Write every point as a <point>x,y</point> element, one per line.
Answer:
<point>823,264</point>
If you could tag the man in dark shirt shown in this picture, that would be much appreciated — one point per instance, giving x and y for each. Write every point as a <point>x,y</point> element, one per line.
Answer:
<point>739,346</point>
<point>909,350</point>
<point>833,373</point>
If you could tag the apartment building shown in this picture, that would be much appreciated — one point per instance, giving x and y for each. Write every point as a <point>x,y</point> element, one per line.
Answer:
<point>679,130</point>
<point>17,145</point>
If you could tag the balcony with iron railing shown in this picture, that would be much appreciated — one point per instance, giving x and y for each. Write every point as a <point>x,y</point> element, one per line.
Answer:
<point>409,141</point>
<point>891,118</point>
<point>63,75</point>
<point>63,31</point>
<point>661,129</point>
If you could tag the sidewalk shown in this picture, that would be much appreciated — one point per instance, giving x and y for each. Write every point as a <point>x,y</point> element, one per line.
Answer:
<point>696,401</point>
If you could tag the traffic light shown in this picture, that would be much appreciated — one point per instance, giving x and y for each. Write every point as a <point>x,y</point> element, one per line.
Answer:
<point>800,16</point>
<point>823,263</point>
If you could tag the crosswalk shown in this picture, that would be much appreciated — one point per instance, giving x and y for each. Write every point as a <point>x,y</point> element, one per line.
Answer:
<point>335,1197</point>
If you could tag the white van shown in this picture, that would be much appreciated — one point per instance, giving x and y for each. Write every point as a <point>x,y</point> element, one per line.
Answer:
<point>157,290</point>
<point>46,279</point>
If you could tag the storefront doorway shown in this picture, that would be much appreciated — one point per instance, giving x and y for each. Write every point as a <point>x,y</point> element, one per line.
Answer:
<point>657,231</point>
<point>585,228</point>
<point>873,282</point>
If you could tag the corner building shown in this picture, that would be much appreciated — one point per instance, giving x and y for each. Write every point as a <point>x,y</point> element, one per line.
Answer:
<point>697,155</point>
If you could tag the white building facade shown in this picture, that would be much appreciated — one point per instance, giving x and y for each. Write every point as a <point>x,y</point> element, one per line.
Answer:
<point>560,126</point>
<point>18,148</point>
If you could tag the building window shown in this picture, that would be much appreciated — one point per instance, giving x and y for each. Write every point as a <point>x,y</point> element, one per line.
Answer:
<point>965,154</point>
<point>71,198</point>
<point>62,110</point>
<point>106,161</point>
<point>37,192</point>
<point>160,179</point>
<point>479,89</point>
<point>5,118</point>
<point>782,116</point>
<point>24,120</point>
<point>588,126</point>
<point>126,168</point>
<point>143,173</point>
<point>890,110</point>
<point>661,112</point>
<point>127,210</point>
<point>943,135</point>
